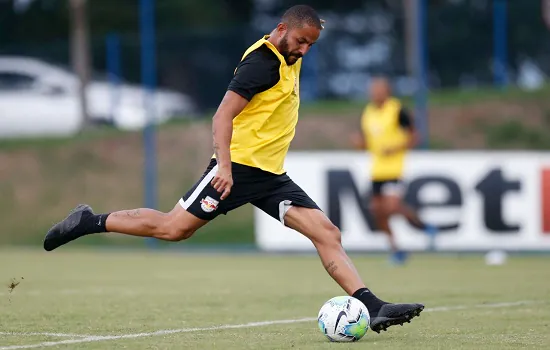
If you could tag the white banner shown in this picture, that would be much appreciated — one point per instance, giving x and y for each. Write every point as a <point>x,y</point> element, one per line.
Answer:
<point>479,200</point>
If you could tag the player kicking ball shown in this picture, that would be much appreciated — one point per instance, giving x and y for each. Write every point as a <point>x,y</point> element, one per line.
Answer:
<point>252,130</point>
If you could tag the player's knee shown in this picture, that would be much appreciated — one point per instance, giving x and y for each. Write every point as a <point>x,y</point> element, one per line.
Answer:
<point>392,207</point>
<point>331,234</point>
<point>376,207</point>
<point>176,233</point>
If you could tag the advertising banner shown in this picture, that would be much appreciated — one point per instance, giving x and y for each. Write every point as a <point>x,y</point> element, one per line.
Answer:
<point>478,200</point>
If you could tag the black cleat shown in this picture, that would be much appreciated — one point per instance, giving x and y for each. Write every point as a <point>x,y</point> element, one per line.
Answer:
<point>68,229</point>
<point>394,314</point>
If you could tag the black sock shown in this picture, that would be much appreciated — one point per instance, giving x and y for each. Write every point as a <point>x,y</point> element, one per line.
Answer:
<point>102,222</point>
<point>93,223</point>
<point>370,300</point>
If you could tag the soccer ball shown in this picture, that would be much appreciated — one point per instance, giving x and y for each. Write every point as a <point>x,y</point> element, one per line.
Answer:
<point>344,319</point>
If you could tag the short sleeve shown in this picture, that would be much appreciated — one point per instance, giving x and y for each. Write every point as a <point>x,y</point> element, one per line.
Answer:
<point>258,72</point>
<point>405,120</point>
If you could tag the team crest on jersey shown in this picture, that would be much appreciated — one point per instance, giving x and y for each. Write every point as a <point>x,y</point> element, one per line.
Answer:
<point>209,204</point>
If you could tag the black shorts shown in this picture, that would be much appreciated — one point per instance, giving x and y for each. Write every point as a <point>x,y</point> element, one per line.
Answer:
<point>274,194</point>
<point>392,187</point>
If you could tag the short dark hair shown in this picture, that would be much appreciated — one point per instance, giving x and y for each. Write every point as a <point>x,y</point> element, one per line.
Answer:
<point>300,15</point>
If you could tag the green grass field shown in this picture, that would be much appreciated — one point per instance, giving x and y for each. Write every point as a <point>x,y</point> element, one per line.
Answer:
<point>139,300</point>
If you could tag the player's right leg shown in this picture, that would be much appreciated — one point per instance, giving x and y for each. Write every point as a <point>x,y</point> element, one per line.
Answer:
<point>382,218</point>
<point>193,211</point>
<point>385,202</point>
<point>176,225</point>
<point>391,204</point>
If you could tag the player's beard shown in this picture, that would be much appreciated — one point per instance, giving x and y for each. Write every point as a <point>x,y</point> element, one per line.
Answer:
<point>290,58</point>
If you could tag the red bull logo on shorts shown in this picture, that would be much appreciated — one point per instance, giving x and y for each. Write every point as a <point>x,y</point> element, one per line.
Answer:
<point>209,204</point>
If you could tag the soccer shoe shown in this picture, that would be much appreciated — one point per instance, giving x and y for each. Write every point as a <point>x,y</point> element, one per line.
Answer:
<point>394,314</point>
<point>67,230</point>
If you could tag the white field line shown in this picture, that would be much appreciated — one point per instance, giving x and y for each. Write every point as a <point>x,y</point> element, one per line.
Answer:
<point>492,306</point>
<point>91,339</point>
<point>45,334</point>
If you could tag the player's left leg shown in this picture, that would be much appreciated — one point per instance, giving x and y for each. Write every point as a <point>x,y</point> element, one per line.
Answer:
<point>393,192</point>
<point>326,238</point>
<point>382,219</point>
<point>394,204</point>
<point>412,216</point>
<point>288,203</point>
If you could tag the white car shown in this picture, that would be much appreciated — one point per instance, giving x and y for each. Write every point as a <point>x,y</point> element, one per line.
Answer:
<point>38,98</point>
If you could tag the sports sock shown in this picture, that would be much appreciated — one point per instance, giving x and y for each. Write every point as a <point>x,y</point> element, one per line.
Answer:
<point>91,223</point>
<point>370,300</point>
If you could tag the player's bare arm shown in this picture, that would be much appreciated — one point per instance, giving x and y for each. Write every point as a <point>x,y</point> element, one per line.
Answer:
<point>407,123</point>
<point>222,129</point>
<point>358,140</point>
<point>413,139</point>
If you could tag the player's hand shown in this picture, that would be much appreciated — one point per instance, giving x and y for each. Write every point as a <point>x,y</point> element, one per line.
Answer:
<point>223,181</point>
<point>357,141</point>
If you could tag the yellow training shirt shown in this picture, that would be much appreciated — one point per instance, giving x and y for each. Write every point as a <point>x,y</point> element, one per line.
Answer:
<point>381,128</point>
<point>262,132</point>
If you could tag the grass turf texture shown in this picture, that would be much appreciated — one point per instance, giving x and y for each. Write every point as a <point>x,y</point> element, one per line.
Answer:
<point>104,293</point>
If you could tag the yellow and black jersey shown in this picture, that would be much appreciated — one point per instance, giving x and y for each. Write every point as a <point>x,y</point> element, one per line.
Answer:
<point>262,132</point>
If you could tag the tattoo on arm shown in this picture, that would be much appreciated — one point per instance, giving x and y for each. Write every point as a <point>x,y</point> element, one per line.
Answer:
<point>130,213</point>
<point>216,148</point>
<point>134,212</point>
<point>331,267</point>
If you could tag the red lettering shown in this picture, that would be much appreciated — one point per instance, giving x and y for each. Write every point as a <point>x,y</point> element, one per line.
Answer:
<point>545,200</point>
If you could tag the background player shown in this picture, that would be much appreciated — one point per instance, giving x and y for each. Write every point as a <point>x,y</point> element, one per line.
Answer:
<point>388,133</point>
<point>252,130</point>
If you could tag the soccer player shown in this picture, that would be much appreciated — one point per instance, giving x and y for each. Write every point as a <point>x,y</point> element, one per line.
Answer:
<point>252,130</point>
<point>388,133</point>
